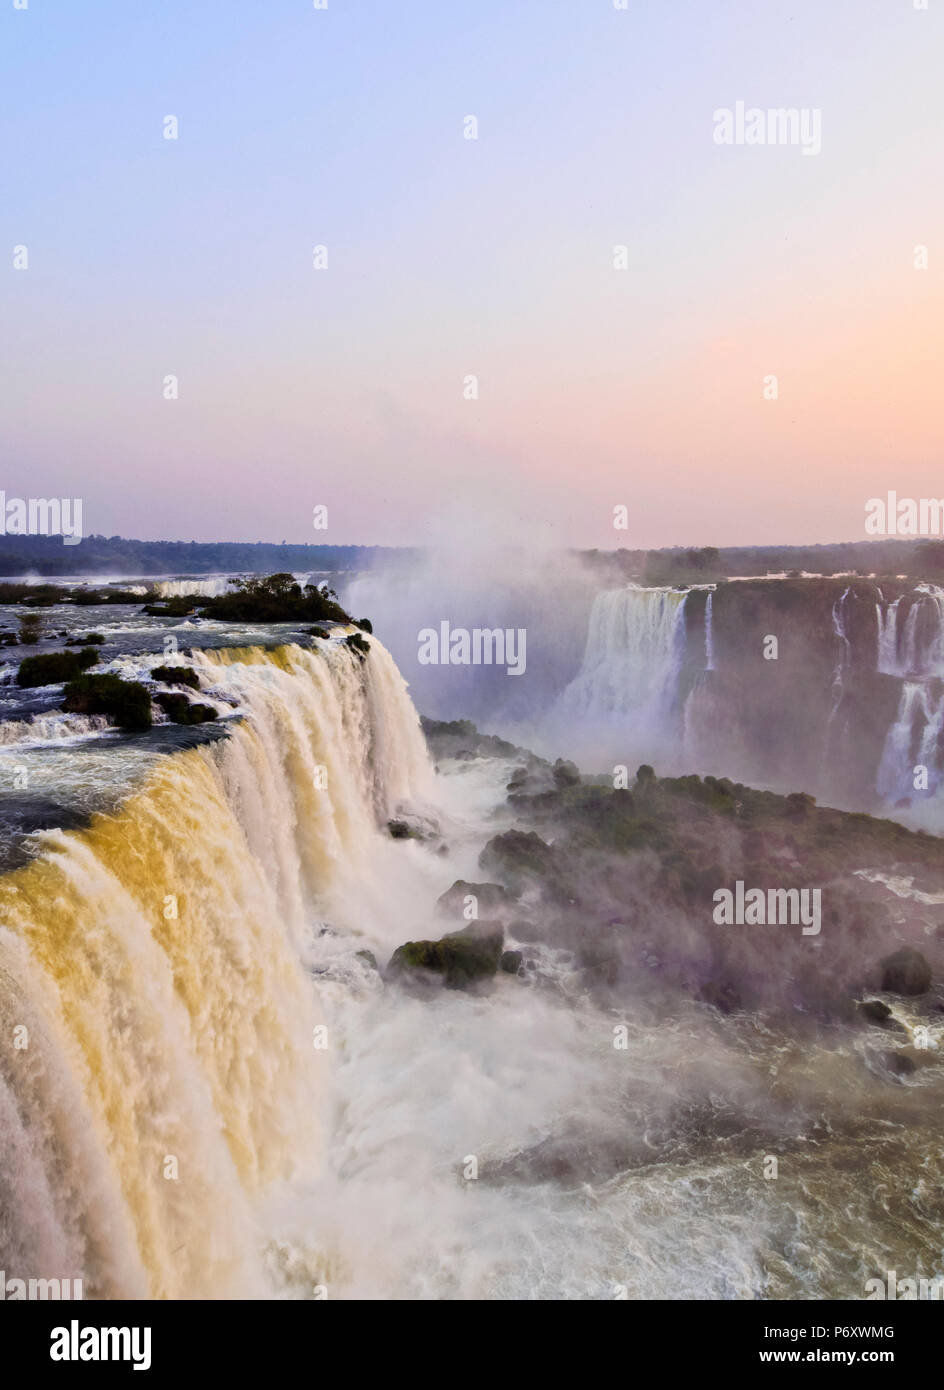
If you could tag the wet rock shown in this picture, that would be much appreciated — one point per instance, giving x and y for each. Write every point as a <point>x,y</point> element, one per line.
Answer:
<point>511,962</point>
<point>491,899</point>
<point>522,858</point>
<point>180,710</point>
<point>566,773</point>
<point>898,1063</point>
<point>875,1011</point>
<point>464,958</point>
<point>906,972</point>
<point>409,827</point>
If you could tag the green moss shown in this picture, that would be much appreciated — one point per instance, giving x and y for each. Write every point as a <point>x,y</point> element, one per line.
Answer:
<point>180,710</point>
<point>176,675</point>
<point>127,702</point>
<point>463,958</point>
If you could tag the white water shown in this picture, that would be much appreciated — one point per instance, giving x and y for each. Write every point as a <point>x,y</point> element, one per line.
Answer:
<point>156,961</point>
<point>206,588</point>
<point>623,700</point>
<point>190,1037</point>
<point>912,742</point>
<point>915,652</point>
<point>709,634</point>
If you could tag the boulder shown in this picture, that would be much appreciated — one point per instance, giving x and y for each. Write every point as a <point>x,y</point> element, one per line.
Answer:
<point>898,1063</point>
<point>511,962</point>
<point>521,858</point>
<point>566,773</point>
<point>464,959</point>
<point>906,972</point>
<point>491,898</point>
<point>413,827</point>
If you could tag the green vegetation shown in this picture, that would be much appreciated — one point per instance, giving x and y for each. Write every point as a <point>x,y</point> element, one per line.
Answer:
<point>180,710</point>
<point>46,595</point>
<point>127,702</point>
<point>176,675</point>
<point>276,598</point>
<point>119,555</point>
<point>54,668</point>
<point>358,645</point>
<point>93,637</point>
<point>463,958</point>
<point>31,629</point>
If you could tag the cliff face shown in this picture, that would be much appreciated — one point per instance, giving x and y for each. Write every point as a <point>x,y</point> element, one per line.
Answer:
<point>829,685</point>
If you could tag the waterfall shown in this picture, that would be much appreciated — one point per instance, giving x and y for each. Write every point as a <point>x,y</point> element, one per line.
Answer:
<point>635,646</point>
<point>206,588</point>
<point>912,741</point>
<point>624,698</point>
<point>158,1072</point>
<point>913,648</point>
<point>845,654</point>
<point>709,634</point>
<point>887,615</point>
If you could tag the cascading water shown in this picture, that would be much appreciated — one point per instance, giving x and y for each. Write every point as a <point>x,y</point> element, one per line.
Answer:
<point>886,613</point>
<point>911,647</point>
<point>624,698</point>
<point>839,618</point>
<point>159,1073</point>
<point>709,634</point>
<point>206,588</point>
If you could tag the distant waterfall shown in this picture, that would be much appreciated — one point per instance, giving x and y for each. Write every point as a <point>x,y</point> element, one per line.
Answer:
<point>206,588</point>
<point>913,647</point>
<point>845,653</point>
<point>913,741</point>
<point>624,697</point>
<point>709,634</point>
<point>158,1072</point>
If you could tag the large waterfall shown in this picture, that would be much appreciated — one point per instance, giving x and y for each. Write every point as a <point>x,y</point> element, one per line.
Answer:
<point>624,697</point>
<point>159,1071</point>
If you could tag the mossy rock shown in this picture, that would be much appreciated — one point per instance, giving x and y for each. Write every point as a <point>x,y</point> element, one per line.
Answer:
<point>464,959</point>
<point>176,675</point>
<point>127,702</point>
<point>55,668</point>
<point>566,774</point>
<point>180,710</point>
<point>491,898</point>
